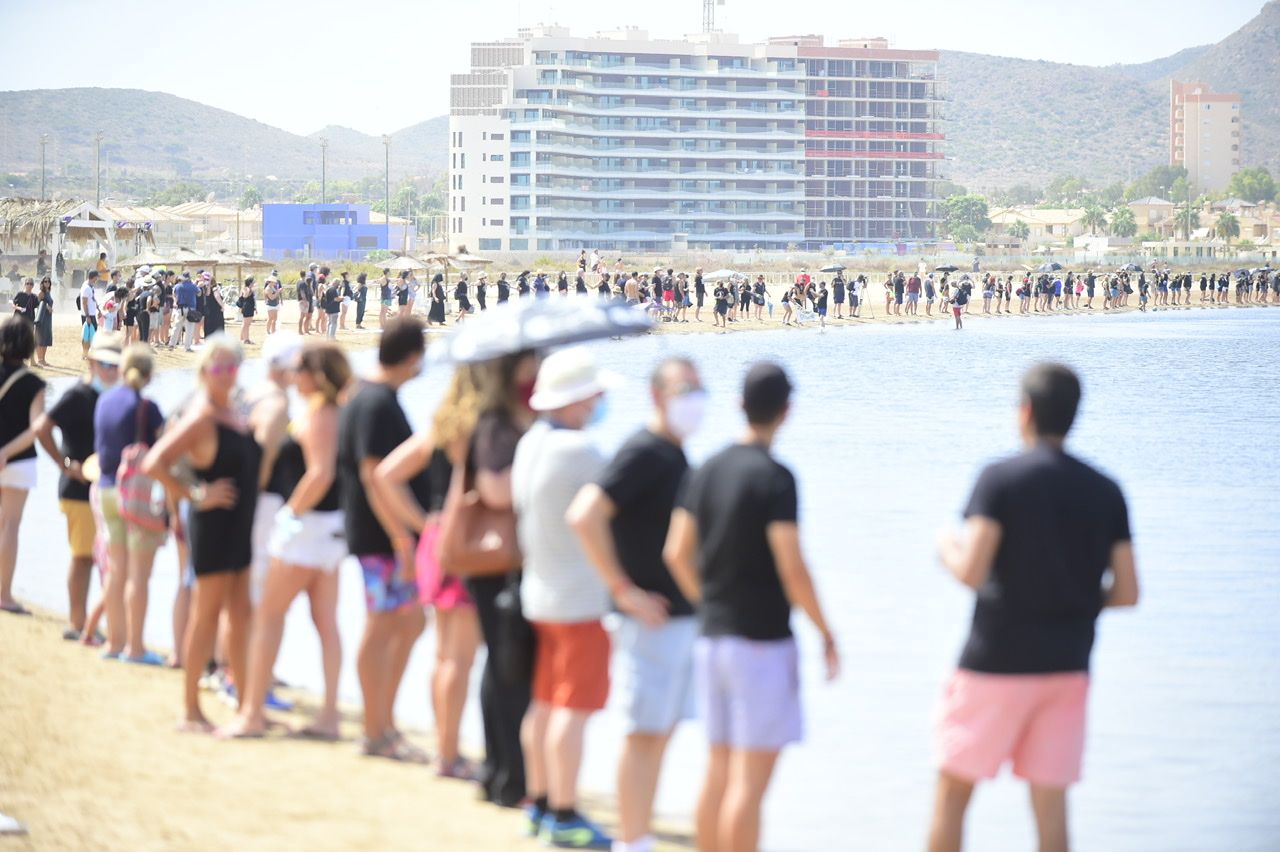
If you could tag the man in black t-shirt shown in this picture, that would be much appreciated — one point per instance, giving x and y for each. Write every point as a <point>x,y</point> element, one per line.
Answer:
<point>304,294</point>
<point>1042,532</point>
<point>622,522</point>
<point>734,548</point>
<point>72,414</point>
<point>371,426</point>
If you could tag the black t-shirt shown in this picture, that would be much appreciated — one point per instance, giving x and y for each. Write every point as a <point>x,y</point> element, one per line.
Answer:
<point>402,292</point>
<point>332,299</point>
<point>24,304</point>
<point>15,408</point>
<point>371,425</point>
<point>734,497</point>
<point>642,481</point>
<point>303,290</point>
<point>73,415</point>
<point>1059,520</point>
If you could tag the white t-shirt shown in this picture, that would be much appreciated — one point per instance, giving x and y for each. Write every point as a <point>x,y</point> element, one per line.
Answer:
<point>559,583</point>
<point>88,301</point>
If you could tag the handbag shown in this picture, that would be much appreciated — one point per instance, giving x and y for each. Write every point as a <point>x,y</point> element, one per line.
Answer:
<point>475,540</point>
<point>136,492</point>
<point>193,315</point>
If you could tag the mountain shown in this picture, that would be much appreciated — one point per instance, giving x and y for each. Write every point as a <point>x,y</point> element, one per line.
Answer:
<point>1014,120</point>
<point>1009,121</point>
<point>153,134</point>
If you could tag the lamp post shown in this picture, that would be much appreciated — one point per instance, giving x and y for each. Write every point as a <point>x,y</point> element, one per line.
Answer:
<point>386,186</point>
<point>97,169</point>
<point>44,141</point>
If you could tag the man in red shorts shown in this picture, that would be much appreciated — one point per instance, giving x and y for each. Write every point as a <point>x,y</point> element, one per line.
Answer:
<point>1046,545</point>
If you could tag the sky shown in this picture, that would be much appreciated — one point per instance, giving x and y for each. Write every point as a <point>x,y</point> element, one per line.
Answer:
<point>380,65</point>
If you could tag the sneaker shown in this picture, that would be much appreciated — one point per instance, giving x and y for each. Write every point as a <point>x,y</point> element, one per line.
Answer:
<point>537,820</point>
<point>577,833</point>
<point>275,702</point>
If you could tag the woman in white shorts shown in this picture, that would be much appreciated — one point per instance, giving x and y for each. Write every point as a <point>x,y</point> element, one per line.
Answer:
<point>21,404</point>
<point>307,543</point>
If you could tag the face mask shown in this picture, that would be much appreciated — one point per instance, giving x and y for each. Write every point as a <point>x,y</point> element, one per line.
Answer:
<point>599,412</point>
<point>685,413</point>
<point>524,392</point>
<point>98,384</point>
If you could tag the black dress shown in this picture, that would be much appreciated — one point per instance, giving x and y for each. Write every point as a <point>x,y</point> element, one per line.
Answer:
<point>221,539</point>
<point>436,312</point>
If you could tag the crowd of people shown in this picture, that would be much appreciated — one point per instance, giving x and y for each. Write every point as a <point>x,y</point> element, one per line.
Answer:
<point>504,519</point>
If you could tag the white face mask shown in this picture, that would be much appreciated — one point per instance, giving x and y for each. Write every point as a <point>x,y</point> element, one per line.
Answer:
<point>685,413</point>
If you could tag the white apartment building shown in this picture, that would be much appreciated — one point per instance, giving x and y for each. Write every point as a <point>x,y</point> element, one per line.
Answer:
<point>622,142</point>
<point>1204,134</point>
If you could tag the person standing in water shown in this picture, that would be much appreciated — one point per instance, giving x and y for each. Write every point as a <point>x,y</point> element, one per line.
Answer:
<point>1046,546</point>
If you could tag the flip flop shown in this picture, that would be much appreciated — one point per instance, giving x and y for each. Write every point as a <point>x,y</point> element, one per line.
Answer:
<point>15,609</point>
<point>10,827</point>
<point>148,658</point>
<point>71,635</point>
<point>312,735</point>
<point>112,655</point>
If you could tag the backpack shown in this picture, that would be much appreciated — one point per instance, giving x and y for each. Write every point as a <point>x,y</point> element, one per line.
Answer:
<point>136,492</point>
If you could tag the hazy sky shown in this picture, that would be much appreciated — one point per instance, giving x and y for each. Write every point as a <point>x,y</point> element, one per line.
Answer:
<point>379,65</point>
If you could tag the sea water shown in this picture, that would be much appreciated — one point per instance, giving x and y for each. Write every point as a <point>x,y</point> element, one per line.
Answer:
<point>889,427</point>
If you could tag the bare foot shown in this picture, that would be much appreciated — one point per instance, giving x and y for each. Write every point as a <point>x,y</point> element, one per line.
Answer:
<point>241,728</point>
<point>198,725</point>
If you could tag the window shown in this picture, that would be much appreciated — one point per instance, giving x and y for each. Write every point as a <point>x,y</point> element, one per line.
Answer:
<point>367,242</point>
<point>519,245</point>
<point>520,180</point>
<point>519,136</point>
<point>490,244</point>
<point>520,158</point>
<point>462,160</point>
<point>497,179</point>
<point>498,201</point>
<point>484,136</point>
<point>497,137</point>
<point>497,158</point>
<point>496,222</point>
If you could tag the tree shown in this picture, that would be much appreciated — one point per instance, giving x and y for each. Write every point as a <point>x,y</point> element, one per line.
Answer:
<point>1020,229</point>
<point>1064,189</point>
<point>966,210</point>
<point>1111,196</point>
<point>1255,184</point>
<point>178,193</point>
<point>1188,219</point>
<point>1154,183</point>
<point>1123,223</point>
<point>1227,226</point>
<point>965,234</point>
<point>1019,193</point>
<point>946,189</point>
<point>251,198</point>
<point>1094,219</point>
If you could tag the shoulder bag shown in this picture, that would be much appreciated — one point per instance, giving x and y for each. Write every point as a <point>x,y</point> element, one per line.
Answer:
<point>475,540</point>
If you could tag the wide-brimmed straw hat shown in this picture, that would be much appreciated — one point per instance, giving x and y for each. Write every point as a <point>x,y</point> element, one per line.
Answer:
<point>106,347</point>
<point>568,376</point>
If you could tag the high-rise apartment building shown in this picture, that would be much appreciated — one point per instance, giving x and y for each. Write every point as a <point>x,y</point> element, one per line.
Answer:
<point>622,142</point>
<point>1204,134</point>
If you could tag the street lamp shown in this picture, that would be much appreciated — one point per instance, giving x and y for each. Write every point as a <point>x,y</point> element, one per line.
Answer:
<point>324,151</point>
<point>97,169</point>
<point>44,140</point>
<point>386,187</point>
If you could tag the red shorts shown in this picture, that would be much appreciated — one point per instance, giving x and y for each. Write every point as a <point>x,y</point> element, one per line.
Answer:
<point>571,665</point>
<point>957,311</point>
<point>1034,720</point>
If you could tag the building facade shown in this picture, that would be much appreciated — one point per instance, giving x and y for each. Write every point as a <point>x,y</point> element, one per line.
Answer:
<point>330,231</point>
<point>622,142</point>
<point>1204,134</point>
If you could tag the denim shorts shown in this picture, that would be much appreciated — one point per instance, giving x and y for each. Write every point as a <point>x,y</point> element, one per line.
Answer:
<point>749,692</point>
<point>654,668</point>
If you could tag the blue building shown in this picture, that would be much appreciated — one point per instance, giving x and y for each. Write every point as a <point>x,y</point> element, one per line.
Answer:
<point>331,231</point>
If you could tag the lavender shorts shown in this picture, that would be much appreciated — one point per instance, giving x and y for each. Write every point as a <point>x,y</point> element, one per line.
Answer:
<point>749,692</point>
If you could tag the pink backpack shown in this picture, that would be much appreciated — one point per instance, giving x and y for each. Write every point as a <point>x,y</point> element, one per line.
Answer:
<point>136,493</point>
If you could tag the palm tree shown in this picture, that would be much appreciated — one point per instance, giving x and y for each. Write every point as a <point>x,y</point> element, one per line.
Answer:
<point>1020,230</point>
<point>1094,218</point>
<point>1227,226</point>
<point>1123,223</point>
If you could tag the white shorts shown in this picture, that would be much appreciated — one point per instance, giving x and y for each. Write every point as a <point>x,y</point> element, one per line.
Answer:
<point>19,474</point>
<point>263,517</point>
<point>315,540</point>
<point>654,670</point>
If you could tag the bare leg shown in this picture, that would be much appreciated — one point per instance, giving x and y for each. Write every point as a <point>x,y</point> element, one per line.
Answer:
<point>638,770</point>
<point>950,804</point>
<point>710,799</point>
<point>136,598</point>
<point>207,600</point>
<point>12,502</point>
<point>565,730</point>
<point>533,739</point>
<point>457,637</point>
<point>238,609</point>
<point>114,597</point>
<point>410,622</point>
<point>79,576</point>
<point>324,614</point>
<point>749,775</point>
<point>1050,807</point>
<point>373,666</point>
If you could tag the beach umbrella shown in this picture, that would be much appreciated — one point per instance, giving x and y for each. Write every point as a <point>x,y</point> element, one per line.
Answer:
<point>538,324</point>
<point>1131,267</point>
<point>401,263</point>
<point>950,267</point>
<point>832,267</point>
<point>1049,267</point>
<point>720,275</point>
<point>150,257</point>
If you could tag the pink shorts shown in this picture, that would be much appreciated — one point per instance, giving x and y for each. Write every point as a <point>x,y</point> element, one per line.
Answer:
<point>1036,721</point>
<point>435,588</point>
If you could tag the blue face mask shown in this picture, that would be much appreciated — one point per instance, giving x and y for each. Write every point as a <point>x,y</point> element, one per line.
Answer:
<point>98,384</point>
<point>599,413</point>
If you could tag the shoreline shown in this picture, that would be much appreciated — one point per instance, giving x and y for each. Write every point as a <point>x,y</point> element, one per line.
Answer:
<point>64,356</point>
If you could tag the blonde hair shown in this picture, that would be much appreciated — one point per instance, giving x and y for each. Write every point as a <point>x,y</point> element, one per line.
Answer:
<point>456,416</point>
<point>212,346</point>
<point>136,365</point>
<point>328,367</point>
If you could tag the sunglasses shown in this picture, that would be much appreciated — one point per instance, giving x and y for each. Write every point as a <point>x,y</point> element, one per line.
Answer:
<point>222,369</point>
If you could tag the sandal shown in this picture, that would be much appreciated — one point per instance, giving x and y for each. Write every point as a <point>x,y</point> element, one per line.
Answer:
<point>15,608</point>
<point>393,746</point>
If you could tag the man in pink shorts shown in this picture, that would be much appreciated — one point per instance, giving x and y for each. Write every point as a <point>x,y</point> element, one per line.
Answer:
<point>1046,545</point>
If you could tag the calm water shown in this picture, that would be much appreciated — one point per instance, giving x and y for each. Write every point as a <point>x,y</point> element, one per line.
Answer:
<point>890,426</point>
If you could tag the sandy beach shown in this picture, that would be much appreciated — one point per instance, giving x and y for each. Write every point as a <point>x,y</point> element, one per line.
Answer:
<point>65,359</point>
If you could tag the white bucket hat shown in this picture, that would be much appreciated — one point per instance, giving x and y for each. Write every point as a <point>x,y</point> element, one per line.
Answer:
<point>570,376</point>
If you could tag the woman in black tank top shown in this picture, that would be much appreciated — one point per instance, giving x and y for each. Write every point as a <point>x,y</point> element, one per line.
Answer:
<point>226,460</point>
<point>306,543</point>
